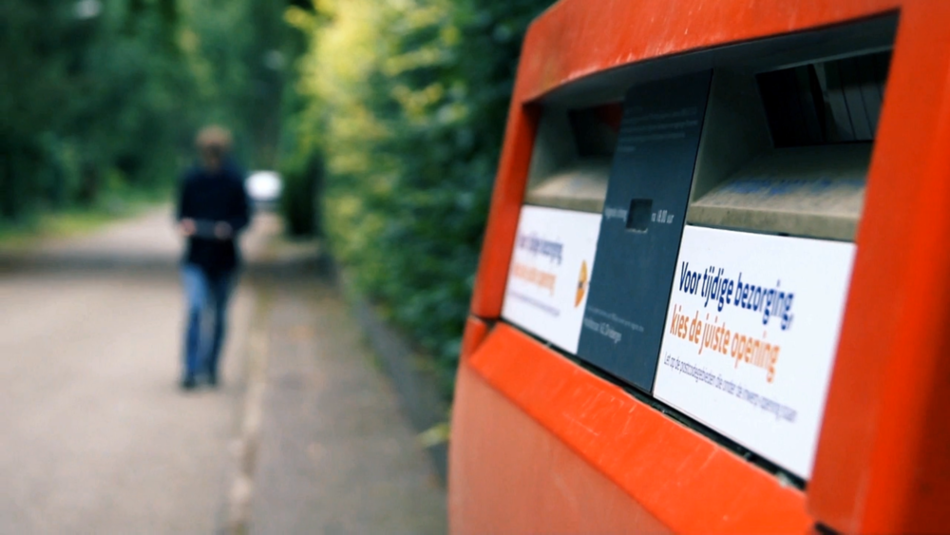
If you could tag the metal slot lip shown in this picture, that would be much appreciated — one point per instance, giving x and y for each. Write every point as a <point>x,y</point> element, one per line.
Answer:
<point>802,191</point>
<point>572,156</point>
<point>581,186</point>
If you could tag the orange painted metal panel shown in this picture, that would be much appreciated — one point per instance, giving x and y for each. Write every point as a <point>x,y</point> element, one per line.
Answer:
<point>576,38</point>
<point>882,463</point>
<point>475,332</point>
<point>514,476</point>
<point>685,481</point>
<point>505,208</point>
<point>883,460</point>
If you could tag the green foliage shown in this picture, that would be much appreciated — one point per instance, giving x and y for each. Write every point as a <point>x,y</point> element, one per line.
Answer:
<point>408,100</point>
<point>101,97</point>
<point>299,202</point>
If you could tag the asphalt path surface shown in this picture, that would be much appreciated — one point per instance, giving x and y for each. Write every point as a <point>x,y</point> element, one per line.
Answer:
<point>96,435</point>
<point>305,435</point>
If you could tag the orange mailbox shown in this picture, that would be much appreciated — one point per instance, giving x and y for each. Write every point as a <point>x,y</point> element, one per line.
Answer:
<point>715,278</point>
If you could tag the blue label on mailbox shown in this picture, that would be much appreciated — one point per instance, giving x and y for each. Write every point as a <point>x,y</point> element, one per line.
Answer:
<point>642,224</point>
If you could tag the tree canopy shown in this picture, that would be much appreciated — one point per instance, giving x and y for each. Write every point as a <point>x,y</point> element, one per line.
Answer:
<point>97,95</point>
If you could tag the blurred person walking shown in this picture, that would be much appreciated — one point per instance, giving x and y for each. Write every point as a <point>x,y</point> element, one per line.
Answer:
<point>212,211</point>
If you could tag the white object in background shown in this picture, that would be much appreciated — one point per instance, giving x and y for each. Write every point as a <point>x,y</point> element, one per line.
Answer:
<point>549,275</point>
<point>264,186</point>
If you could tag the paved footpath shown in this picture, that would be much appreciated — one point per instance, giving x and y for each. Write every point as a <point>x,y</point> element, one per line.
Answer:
<point>95,437</point>
<point>335,454</point>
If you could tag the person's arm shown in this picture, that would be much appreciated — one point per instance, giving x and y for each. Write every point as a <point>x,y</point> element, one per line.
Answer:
<point>239,210</point>
<point>183,212</point>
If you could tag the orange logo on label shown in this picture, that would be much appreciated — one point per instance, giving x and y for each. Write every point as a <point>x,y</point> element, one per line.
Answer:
<point>581,284</point>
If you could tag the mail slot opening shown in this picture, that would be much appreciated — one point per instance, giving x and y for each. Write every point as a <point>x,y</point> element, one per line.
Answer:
<point>572,155</point>
<point>826,102</point>
<point>786,151</point>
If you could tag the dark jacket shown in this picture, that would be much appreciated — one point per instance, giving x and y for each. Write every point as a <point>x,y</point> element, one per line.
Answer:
<point>210,198</point>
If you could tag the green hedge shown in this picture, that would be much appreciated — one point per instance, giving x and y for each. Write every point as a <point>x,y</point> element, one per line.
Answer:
<point>299,203</point>
<point>407,100</point>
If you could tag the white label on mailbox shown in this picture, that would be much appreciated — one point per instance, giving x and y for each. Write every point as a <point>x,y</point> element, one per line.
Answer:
<point>550,271</point>
<point>750,338</point>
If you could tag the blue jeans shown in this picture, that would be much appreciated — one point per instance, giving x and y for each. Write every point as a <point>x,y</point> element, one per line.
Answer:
<point>207,316</point>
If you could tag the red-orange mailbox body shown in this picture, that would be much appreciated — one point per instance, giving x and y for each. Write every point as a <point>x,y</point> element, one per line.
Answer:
<point>552,440</point>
